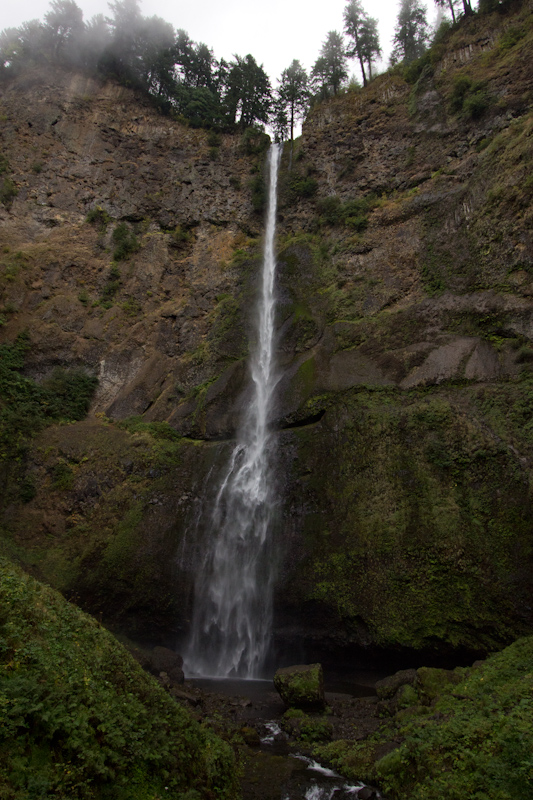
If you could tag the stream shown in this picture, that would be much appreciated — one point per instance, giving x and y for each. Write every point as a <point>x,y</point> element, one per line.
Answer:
<point>276,766</point>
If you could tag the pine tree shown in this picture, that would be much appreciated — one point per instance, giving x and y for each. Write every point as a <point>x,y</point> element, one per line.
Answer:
<point>363,31</point>
<point>329,70</point>
<point>411,36</point>
<point>292,96</point>
<point>248,95</point>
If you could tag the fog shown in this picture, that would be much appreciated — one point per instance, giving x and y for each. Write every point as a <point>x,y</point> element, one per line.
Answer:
<point>274,33</point>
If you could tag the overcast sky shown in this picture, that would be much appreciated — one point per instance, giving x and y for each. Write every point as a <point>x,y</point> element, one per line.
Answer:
<point>274,33</point>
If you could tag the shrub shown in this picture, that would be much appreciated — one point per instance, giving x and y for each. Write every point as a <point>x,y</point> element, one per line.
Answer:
<point>180,237</point>
<point>476,104</point>
<point>26,406</point>
<point>330,209</point>
<point>125,242</point>
<point>131,307</point>
<point>214,139</point>
<point>258,187</point>
<point>97,216</point>
<point>81,720</point>
<point>302,186</point>
<point>113,283</point>
<point>8,191</point>
<point>510,37</point>
<point>468,97</point>
<point>462,85</point>
<point>352,213</point>
<point>254,141</point>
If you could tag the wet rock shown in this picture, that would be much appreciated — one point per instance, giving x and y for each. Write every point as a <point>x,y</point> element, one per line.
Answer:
<point>387,687</point>
<point>301,686</point>
<point>366,793</point>
<point>163,660</point>
<point>180,695</point>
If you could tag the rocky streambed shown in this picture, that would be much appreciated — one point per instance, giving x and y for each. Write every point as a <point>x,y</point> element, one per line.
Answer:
<point>276,744</point>
<point>340,743</point>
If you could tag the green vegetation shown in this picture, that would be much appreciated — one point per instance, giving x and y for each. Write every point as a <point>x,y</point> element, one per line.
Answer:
<point>125,242</point>
<point>26,406</point>
<point>82,721</point>
<point>180,237</point>
<point>415,504</point>
<point>301,186</point>
<point>111,287</point>
<point>159,430</point>
<point>468,737</point>
<point>98,216</point>
<point>468,97</point>
<point>310,728</point>
<point>258,188</point>
<point>352,213</point>
<point>8,192</point>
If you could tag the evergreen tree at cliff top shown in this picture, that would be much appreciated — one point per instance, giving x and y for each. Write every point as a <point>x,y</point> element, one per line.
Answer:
<point>411,35</point>
<point>329,71</point>
<point>293,95</point>
<point>145,53</point>
<point>363,31</point>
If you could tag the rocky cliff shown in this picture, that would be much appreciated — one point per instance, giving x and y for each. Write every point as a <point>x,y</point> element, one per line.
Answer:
<point>131,250</point>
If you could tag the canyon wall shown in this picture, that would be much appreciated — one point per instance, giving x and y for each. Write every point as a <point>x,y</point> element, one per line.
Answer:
<point>405,330</point>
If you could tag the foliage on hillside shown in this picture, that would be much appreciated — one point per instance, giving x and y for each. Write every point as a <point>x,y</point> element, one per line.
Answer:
<point>26,406</point>
<point>470,737</point>
<point>80,720</point>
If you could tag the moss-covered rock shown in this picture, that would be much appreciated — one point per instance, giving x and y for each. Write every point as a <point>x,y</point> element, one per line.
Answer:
<point>301,686</point>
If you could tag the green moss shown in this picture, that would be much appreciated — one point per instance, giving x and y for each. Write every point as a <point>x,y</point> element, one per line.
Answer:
<point>414,501</point>
<point>81,720</point>
<point>477,742</point>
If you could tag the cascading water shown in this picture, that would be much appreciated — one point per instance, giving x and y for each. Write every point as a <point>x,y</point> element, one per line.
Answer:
<point>233,592</point>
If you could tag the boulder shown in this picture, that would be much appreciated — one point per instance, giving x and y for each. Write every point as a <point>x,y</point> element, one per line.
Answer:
<point>164,660</point>
<point>388,687</point>
<point>431,682</point>
<point>301,686</point>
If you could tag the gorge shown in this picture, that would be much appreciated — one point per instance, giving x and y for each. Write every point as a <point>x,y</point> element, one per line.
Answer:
<point>129,262</point>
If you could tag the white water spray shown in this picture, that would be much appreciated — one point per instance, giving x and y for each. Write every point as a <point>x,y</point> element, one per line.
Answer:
<point>232,614</point>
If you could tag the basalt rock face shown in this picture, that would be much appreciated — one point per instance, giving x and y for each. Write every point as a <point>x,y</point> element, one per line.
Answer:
<point>405,330</point>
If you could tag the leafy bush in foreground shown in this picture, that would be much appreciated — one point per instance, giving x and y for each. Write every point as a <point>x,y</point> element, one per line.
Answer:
<point>80,719</point>
<point>26,406</point>
<point>474,741</point>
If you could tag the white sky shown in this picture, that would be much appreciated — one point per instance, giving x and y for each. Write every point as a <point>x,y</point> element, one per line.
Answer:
<point>274,33</point>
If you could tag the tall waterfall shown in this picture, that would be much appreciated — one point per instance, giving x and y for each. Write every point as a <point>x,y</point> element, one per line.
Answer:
<point>232,614</point>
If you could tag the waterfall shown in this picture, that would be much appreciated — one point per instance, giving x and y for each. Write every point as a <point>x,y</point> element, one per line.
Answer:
<point>232,614</point>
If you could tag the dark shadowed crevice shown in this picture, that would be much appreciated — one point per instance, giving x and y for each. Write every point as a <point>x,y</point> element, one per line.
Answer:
<point>302,423</point>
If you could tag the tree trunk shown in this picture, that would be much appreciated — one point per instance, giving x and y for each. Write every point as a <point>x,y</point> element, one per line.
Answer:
<point>362,69</point>
<point>292,120</point>
<point>450,3</point>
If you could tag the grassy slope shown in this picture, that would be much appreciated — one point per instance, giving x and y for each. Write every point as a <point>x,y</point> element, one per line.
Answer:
<point>472,740</point>
<point>80,719</point>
